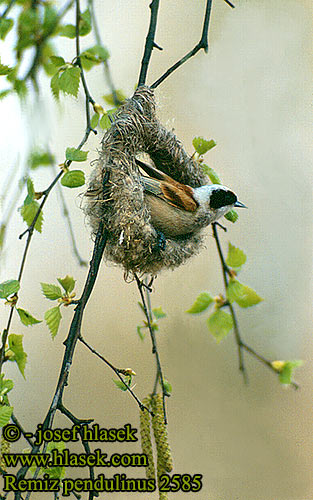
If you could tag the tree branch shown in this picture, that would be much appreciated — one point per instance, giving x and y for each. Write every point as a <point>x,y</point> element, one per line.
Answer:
<point>31,73</point>
<point>202,44</point>
<point>150,44</point>
<point>72,338</point>
<point>225,270</point>
<point>241,345</point>
<point>106,65</point>
<point>117,372</point>
<point>7,9</point>
<point>67,217</point>
<point>140,285</point>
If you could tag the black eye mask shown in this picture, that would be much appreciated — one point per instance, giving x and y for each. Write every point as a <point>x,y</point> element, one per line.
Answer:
<point>221,198</point>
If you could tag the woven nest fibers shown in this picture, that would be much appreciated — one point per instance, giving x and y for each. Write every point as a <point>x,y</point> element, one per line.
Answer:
<point>133,242</point>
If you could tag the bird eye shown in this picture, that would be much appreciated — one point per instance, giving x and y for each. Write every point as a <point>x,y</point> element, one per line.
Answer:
<point>221,198</point>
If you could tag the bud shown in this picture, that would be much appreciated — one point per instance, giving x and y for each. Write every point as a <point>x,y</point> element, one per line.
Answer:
<point>98,108</point>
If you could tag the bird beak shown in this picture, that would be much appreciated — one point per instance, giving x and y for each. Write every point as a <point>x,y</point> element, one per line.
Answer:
<point>240,205</point>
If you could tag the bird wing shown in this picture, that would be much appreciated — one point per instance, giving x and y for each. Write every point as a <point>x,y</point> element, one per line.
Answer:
<point>162,185</point>
<point>153,172</point>
<point>179,198</point>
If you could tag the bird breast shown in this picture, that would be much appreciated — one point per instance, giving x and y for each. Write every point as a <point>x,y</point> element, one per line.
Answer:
<point>171,221</point>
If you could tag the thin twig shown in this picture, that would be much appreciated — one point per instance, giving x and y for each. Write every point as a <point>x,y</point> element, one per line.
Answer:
<point>7,9</point>
<point>117,372</point>
<point>140,286</point>
<point>31,73</point>
<point>89,99</point>
<point>72,337</point>
<point>106,65</point>
<point>67,217</point>
<point>72,418</point>
<point>92,492</point>
<point>150,44</point>
<point>230,4</point>
<point>226,271</point>
<point>241,345</point>
<point>203,44</point>
<point>264,361</point>
<point>25,434</point>
<point>30,231</point>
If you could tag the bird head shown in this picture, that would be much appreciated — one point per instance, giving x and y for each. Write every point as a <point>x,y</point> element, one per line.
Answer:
<point>216,199</point>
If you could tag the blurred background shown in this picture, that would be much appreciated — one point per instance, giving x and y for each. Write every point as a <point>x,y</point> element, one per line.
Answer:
<point>252,94</point>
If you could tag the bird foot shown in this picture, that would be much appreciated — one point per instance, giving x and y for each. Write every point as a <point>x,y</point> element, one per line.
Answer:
<point>161,241</point>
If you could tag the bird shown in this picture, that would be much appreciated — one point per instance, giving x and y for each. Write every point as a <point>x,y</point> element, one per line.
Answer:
<point>178,210</point>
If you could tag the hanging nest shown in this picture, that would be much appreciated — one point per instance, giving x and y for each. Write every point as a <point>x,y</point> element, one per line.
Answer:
<point>133,242</point>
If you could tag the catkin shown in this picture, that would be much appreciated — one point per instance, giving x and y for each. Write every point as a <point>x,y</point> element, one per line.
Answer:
<point>5,447</point>
<point>146,443</point>
<point>165,461</point>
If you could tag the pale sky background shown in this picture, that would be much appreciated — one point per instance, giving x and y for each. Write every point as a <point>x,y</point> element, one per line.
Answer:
<point>252,93</point>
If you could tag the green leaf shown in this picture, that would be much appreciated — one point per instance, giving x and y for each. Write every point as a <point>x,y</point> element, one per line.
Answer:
<point>158,313</point>
<point>235,257</point>
<point>69,81</point>
<point>54,85</point>
<point>57,61</point>
<point>219,324</point>
<point>4,93</point>
<point>6,385</point>
<point>30,189</point>
<point>88,60</point>
<point>201,303</point>
<point>73,179</point>
<point>16,346</point>
<point>50,20</point>
<point>3,229</point>
<point>8,288</point>
<point>141,306</point>
<point>56,472</point>
<point>6,25</point>
<point>105,122</point>
<point>232,215</point>
<point>98,50</point>
<point>285,376</point>
<point>121,385</point>
<point>26,318</point>
<point>67,283</point>
<point>40,158</point>
<point>20,88</point>
<point>28,23</point>
<point>5,414</point>
<point>50,291</point>
<point>140,333</point>
<point>4,70</point>
<point>167,387</point>
<point>69,30</point>
<point>242,294</point>
<point>53,317</point>
<point>28,212</point>
<point>73,154</point>
<point>202,146</point>
<point>85,23</point>
<point>94,120</point>
<point>109,98</point>
<point>213,176</point>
